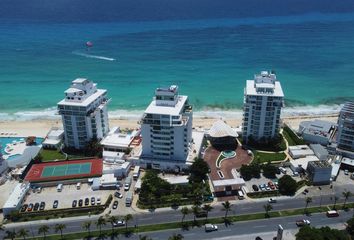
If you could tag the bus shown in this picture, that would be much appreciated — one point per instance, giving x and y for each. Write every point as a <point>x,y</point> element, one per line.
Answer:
<point>136,172</point>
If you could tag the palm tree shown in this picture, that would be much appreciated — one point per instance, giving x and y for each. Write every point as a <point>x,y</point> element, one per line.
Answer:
<point>176,237</point>
<point>87,227</point>
<point>308,201</point>
<point>267,208</point>
<point>10,234</point>
<point>112,220</point>
<point>184,211</point>
<point>227,207</point>
<point>195,211</point>
<point>59,228</point>
<point>207,208</point>
<point>346,195</point>
<point>44,229</point>
<point>23,233</point>
<point>127,218</point>
<point>335,202</point>
<point>100,222</point>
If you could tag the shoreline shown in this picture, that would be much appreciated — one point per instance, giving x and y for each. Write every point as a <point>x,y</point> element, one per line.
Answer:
<point>40,127</point>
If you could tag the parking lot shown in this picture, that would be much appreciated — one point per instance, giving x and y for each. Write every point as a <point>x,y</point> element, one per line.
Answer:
<point>66,197</point>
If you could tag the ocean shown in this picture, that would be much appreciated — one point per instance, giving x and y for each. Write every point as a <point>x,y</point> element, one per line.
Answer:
<point>210,59</point>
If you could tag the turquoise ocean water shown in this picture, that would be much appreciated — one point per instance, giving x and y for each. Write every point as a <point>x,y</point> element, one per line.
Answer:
<point>210,59</point>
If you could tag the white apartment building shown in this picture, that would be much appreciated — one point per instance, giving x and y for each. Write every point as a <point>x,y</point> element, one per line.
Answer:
<point>84,113</point>
<point>166,129</point>
<point>263,100</point>
<point>345,134</point>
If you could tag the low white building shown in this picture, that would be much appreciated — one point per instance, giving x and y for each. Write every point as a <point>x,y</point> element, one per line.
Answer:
<point>120,170</point>
<point>300,164</point>
<point>15,199</point>
<point>105,181</point>
<point>320,151</point>
<point>53,139</point>
<point>300,151</point>
<point>317,131</point>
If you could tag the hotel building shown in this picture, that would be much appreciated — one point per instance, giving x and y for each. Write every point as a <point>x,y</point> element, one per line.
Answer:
<point>263,100</point>
<point>345,133</point>
<point>84,113</point>
<point>166,129</point>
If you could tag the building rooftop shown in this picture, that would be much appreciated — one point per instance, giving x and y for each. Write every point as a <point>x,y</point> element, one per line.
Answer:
<point>251,89</point>
<point>221,129</point>
<point>228,182</point>
<point>16,195</point>
<point>300,150</point>
<point>320,164</point>
<point>167,110</point>
<point>348,161</point>
<point>318,127</point>
<point>319,150</point>
<point>87,101</point>
<point>303,162</point>
<point>117,138</point>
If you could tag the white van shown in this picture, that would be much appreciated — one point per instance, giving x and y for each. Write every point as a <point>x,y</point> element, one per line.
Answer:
<point>240,194</point>
<point>60,187</point>
<point>78,186</point>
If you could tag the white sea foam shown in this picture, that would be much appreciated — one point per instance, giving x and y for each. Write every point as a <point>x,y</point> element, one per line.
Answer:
<point>93,56</point>
<point>51,113</point>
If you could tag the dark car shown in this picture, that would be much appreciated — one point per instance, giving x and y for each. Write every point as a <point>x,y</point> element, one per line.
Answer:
<point>24,207</point>
<point>55,204</point>
<point>255,187</point>
<point>115,205</point>
<point>74,203</point>
<point>118,195</point>
<point>81,202</point>
<point>36,207</point>
<point>201,214</point>
<point>42,206</point>
<point>30,207</point>
<point>87,201</point>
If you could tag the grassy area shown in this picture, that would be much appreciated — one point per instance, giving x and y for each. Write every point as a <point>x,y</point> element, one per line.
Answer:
<point>291,137</point>
<point>198,223</point>
<point>50,155</point>
<point>265,157</point>
<point>261,194</point>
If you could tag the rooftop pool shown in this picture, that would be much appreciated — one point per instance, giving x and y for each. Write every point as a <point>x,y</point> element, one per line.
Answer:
<point>7,140</point>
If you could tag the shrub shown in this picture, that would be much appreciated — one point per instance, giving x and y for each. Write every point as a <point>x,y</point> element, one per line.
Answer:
<point>287,185</point>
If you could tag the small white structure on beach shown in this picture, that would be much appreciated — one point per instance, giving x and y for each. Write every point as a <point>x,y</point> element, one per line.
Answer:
<point>53,139</point>
<point>15,199</point>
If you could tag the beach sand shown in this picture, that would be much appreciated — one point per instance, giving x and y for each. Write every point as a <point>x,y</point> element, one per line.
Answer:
<point>40,128</point>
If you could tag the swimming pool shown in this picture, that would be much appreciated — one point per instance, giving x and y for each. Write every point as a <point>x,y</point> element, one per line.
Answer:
<point>7,140</point>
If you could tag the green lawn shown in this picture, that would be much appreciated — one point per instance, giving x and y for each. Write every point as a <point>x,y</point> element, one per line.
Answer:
<point>291,137</point>
<point>265,157</point>
<point>50,155</point>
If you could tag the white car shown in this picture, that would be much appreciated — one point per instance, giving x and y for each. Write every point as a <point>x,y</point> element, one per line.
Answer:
<point>98,201</point>
<point>119,223</point>
<point>346,172</point>
<point>272,200</point>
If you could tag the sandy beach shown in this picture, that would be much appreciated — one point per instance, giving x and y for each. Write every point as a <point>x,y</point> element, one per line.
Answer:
<point>40,128</point>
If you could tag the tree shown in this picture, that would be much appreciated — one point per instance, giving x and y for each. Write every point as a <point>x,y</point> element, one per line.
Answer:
<point>87,227</point>
<point>323,233</point>
<point>184,211</point>
<point>250,171</point>
<point>195,211</point>
<point>59,228</point>
<point>127,218</point>
<point>207,208</point>
<point>44,229</point>
<point>23,233</point>
<point>112,220</point>
<point>350,225</point>
<point>346,195</point>
<point>308,200</point>
<point>10,234</point>
<point>335,202</point>
<point>227,207</point>
<point>269,170</point>
<point>267,208</point>
<point>287,185</point>
<point>198,171</point>
<point>176,237</point>
<point>100,223</point>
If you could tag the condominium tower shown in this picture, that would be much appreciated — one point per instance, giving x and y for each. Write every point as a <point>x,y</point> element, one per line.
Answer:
<point>263,100</point>
<point>166,128</point>
<point>84,113</point>
<point>345,134</point>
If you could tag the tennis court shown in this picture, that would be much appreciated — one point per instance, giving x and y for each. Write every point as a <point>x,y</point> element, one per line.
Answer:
<point>64,170</point>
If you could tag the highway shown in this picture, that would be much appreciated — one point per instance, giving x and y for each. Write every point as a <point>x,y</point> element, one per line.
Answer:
<point>242,207</point>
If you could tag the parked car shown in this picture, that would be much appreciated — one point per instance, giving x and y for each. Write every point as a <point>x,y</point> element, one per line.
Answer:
<point>36,207</point>
<point>276,185</point>
<point>30,207</point>
<point>98,201</point>
<point>81,202</point>
<point>210,227</point>
<point>271,185</point>
<point>115,205</point>
<point>24,208</point>
<point>55,204</point>
<point>272,200</point>
<point>255,188</point>
<point>118,195</point>
<point>74,203</point>
<point>87,201</point>
<point>42,206</point>
<point>267,188</point>
<point>332,213</point>
<point>119,223</point>
<point>346,172</point>
<point>302,222</point>
<point>39,190</point>
<point>93,200</point>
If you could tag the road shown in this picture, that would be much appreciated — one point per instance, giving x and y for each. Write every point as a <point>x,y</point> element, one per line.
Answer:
<point>242,207</point>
